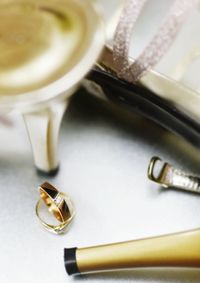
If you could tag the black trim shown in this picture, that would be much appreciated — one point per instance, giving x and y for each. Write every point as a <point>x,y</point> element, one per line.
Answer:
<point>142,101</point>
<point>50,173</point>
<point>71,266</point>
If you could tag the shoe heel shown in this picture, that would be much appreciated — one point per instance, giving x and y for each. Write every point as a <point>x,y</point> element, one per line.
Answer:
<point>43,128</point>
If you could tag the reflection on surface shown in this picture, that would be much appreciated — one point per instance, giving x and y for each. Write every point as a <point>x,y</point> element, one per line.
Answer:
<point>104,157</point>
<point>146,275</point>
<point>39,42</point>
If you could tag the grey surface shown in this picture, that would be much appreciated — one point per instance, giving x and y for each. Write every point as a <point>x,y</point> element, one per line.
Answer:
<point>104,156</point>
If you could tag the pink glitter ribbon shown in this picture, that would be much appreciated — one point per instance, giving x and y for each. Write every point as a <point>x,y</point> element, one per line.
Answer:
<point>157,46</point>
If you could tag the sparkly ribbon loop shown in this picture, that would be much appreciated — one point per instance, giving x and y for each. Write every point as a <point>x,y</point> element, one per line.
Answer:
<point>157,46</point>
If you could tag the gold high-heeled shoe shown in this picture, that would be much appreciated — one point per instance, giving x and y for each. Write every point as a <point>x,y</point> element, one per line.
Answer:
<point>46,48</point>
<point>42,95</point>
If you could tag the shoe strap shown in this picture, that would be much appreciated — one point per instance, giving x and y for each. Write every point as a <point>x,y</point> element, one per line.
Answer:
<point>156,48</point>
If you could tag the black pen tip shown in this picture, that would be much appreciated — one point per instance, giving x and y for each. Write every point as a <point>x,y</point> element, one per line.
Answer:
<point>70,261</point>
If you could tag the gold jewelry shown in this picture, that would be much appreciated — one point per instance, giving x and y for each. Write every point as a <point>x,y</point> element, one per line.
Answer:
<point>59,204</point>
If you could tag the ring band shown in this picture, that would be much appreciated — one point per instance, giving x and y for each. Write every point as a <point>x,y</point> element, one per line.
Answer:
<point>59,204</point>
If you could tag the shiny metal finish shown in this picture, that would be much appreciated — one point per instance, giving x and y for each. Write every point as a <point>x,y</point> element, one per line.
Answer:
<point>54,19</point>
<point>176,250</point>
<point>46,49</point>
<point>105,153</point>
<point>38,41</point>
<point>59,204</point>
<point>170,177</point>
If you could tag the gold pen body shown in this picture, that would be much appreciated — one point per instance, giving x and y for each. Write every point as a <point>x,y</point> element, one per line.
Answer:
<point>175,250</point>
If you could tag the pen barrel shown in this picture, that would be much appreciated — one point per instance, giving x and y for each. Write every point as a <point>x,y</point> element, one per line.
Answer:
<point>176,250</point>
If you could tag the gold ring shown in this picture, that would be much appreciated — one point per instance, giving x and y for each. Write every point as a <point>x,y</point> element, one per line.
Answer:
<point>59,204</point>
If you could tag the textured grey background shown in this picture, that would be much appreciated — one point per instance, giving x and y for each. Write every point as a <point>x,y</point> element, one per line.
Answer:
<point>104,157</point>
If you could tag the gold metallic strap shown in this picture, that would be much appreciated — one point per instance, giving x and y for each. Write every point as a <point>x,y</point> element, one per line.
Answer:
<point>168,176</point>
